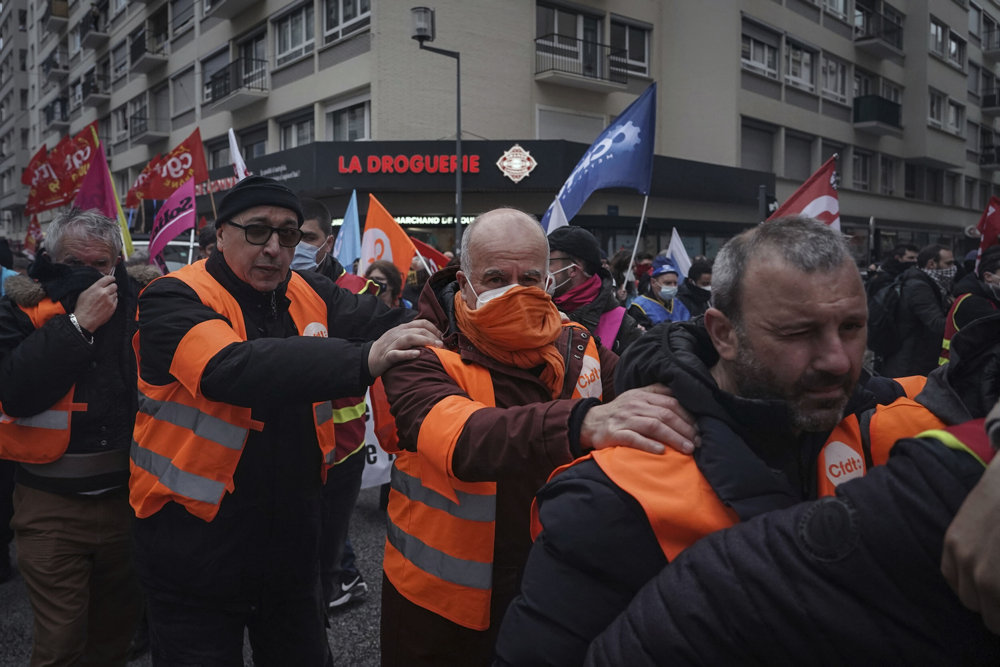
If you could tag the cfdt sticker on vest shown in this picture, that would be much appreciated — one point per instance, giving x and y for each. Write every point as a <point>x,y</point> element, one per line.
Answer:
<point>588,385</point>
<point>842,463</point>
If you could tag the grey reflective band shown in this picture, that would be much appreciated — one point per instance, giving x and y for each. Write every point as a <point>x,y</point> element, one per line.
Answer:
<point>200,423</point>
<point>470,506</point>
<point>181,482</point>
<point>324,412</point>
<point>56,420</point>
<point>77,466</point>
<point>331,457</point>
<point>470,574</point>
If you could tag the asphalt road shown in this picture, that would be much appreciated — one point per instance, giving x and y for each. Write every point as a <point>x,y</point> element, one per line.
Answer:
<point>353,632</point>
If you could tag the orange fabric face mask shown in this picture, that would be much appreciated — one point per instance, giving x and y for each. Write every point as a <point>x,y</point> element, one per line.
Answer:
<point>517,328</point>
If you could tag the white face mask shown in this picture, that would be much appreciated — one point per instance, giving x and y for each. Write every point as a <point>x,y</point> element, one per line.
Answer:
<point>550,281</point>
<point>668,292</point>
<point>489,295</point>
<point>304,258</point>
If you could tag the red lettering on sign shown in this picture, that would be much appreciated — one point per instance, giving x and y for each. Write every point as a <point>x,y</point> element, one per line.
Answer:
<point>373,164</point>
<point>354,167</point>
<point>387,164</point>
<point>472,165</point>
<point>432,164</point>
<point>417,164</point>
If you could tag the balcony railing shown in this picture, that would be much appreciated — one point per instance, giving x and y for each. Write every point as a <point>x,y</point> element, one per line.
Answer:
<point>57,112</point>
<point>147,54</point>
<point>567,55</point>
<point>95,89</point>
<point>93,32</point>
<point>872,26</point>
<point>246,74</point>
<point>875,108</point>
<point>56,15</point>
<point>989,157</point>
<point>57,64</point>
<point>143,129</point>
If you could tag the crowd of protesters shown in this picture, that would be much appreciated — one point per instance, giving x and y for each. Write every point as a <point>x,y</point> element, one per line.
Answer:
<point>598,460</point>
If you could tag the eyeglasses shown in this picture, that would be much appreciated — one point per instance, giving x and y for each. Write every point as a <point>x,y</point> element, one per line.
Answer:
<point>288,237</point>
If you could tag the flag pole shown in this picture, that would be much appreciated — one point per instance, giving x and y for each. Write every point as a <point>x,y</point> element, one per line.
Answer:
<point>629,275</point>
<point>211,197</point>
<point>427,267</point>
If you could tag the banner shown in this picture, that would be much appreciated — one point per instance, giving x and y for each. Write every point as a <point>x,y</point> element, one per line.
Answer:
<point>678,254</point>
<point>434,258</point>
<point>71,159</point>
<point>384,239</point>
<point>43,184</point>
<point>621,157</point>
<point>185,161</point>
<point>97,190</point>
<point>816,198</point>
<point>347,247</point>
<point>175,216</point>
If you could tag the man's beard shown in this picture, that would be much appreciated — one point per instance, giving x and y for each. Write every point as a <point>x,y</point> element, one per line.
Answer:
<point>754,379</point>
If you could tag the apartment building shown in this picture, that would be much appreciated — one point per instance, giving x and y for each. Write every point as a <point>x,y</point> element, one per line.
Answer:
<point>334,96</point>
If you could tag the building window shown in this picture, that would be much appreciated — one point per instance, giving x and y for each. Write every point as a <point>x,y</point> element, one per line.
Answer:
<point>253,59</point>
<point>345,17</point>
<point>349,123</point>
<point>937,37</point>
<point>864,83</point>
<point>975,20</point>
<point>760,57</point>
<point>183,91</point>
<point>119,60</point>
<point>74,40</point>
<point>887,175</point>
<point>217,153</point>
<point>799,67</point>
<point>974,77</point>
<point>891,91</point>
<point>634,41</point>
<point>956,118</point>
<point>798,156</point>
<point>861,164</point>
<point>756,147</point>
<point>834,79</point>
<point>935,110</point>
<point>294,35</point>
<point>210,67</point>
<point>297,132</point>
<point>182,12</point>
<point>836,7</point>
<point>118,6</point>
<point>956,50</point>
<point>119,123</point>
<point>254,142</point>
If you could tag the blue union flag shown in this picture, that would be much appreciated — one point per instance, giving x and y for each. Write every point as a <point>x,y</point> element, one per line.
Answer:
<point>621,157</point>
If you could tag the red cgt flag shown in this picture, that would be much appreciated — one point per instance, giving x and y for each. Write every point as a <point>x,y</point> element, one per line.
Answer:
<point>816,198</point>
<point>33,238</point>
<point>186,161</point>
<point>71,159</point>
<point>43,184</point>
<point>435,259</point>
<point>135,195</point>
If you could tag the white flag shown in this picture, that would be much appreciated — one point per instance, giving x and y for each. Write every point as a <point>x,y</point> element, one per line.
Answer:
<point>239,166</point>
<point>678,254</point>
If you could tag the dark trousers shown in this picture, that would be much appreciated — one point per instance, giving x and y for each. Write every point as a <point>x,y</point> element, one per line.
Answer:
<point>285,628</point>
<point>340,494</point>
<point>7,469</point>
<point>75,555</point>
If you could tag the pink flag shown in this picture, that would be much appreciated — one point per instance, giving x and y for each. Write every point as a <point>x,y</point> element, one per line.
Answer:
<point>816,198</point>
<point>175,216</point>
<point>96,190</point>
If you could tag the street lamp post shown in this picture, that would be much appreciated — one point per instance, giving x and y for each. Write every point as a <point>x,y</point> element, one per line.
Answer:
<point>423,31</point>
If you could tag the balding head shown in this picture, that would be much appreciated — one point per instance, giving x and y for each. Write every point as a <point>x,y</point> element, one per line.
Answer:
<point>502,247</point>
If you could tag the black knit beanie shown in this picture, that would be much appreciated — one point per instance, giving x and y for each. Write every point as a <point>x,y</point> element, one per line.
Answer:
<point>579,243</point>
<point>257,191</point>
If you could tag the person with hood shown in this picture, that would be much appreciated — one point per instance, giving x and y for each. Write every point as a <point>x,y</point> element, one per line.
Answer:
<point>696,290</point>
<point>924,299</point>
<point>68,402</point>
<point>903,257</point>
<point>773,374</point>
<point>659,303</point>
<point>583,289</point>
<point>482,423</point>
<point>977,295</point>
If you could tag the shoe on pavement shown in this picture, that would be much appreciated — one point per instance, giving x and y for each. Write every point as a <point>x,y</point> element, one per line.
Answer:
<point>352,587</point>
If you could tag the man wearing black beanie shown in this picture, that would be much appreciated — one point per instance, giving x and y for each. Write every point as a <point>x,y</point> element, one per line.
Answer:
<point>239,358</point>
<point>583,289</point>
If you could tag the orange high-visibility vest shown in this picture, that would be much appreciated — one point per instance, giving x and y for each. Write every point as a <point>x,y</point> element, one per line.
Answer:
<point>681,505</point>
<point>44,437</point>
<point>186,447</point>
<point>439,547</point>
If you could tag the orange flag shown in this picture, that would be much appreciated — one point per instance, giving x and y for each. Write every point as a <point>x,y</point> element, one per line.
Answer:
<point>384,239</point>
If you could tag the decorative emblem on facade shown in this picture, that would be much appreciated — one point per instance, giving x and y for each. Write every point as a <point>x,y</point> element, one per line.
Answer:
<point>516,163</point>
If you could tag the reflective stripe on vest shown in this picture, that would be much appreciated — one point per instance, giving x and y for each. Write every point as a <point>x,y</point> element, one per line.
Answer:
<point>44,437</point>
<point>186,447</point>
<point>440,542</point>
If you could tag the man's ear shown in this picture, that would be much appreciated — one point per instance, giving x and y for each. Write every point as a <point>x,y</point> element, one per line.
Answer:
<point>723,334</point>
<point>218,237</point>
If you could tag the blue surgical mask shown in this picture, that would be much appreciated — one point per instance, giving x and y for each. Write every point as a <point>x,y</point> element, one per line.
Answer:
<point>304,258</point>
<point>668,292</point>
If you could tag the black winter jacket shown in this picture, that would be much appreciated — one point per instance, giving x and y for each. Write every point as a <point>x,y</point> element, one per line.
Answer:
<point>850,580</point>
<point>266,531</point>
<point>38,367</point>
<point>695,298</point>
<point>920,316</point>
<point>597,548</point>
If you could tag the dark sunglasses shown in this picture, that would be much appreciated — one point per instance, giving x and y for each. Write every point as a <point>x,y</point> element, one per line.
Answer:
<point>288,237</point>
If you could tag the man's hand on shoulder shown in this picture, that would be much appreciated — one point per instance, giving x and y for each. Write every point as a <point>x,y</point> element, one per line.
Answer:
<point>401,343</point>
<point>646,418</point>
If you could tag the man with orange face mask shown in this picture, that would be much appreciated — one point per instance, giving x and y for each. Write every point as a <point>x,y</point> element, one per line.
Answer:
<point>482,423</point>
